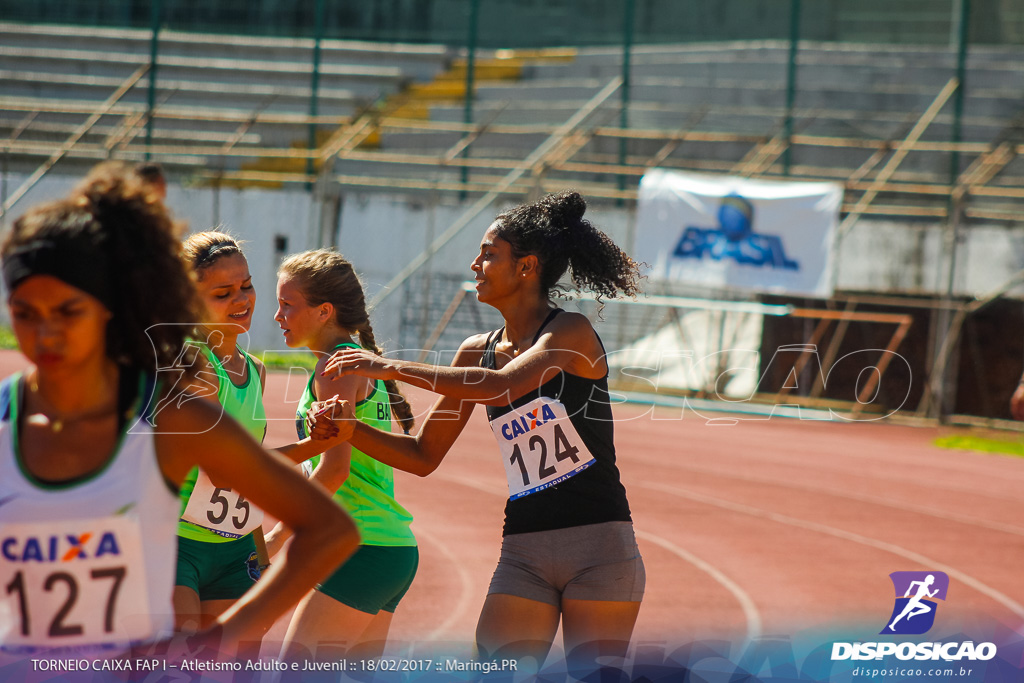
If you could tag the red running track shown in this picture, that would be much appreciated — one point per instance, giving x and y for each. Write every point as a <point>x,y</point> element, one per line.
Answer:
<point>774,526</point>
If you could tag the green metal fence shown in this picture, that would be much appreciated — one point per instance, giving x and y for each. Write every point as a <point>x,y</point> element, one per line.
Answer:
<point>545,23</point>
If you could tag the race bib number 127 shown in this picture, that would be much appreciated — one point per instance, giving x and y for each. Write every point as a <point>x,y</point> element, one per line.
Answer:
<point>73,583</point>
<point>539,447</point>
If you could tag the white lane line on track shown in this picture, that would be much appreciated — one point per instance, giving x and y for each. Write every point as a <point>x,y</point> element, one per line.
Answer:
<point>750,611</point>
<point>999,597</point>
<point>461,607</point>
<point>952,517</point>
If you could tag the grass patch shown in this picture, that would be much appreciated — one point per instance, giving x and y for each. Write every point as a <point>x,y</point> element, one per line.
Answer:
<point>7,340</point>
<point>965,442</point>
<point>278,360</point>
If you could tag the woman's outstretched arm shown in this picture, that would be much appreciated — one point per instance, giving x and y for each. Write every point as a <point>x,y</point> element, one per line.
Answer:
<point>422,452</point>
<point>568,344</point>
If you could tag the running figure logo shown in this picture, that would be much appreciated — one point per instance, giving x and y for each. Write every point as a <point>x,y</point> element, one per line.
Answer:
<point>914,612</point>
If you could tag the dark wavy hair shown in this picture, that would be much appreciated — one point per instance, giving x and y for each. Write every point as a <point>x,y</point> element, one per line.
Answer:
<point>154,302</point>
<point>555,231</point>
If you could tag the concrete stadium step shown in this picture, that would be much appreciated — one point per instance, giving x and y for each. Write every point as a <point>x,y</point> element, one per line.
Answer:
<point>262,77</point>
<point>836,93</point>
<point>419,62</point>
<point>862,64</point>
<point>253,97</point>
<point>361,80</point>
<point>896,54</point>
<point>110,131</point>
<point>996,75</point>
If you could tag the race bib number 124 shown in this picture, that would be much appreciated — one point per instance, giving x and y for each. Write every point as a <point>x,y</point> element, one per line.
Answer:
<point>539,446</point>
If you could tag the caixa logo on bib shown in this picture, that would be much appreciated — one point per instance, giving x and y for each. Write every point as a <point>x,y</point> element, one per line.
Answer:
<point>527,423</point>
<point>59,547</point>
<point>734,239</point>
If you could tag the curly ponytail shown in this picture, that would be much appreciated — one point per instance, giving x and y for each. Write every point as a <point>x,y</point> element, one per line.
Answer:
<point>325,276</point>
<point>554,230</point>
<point>115,225</point>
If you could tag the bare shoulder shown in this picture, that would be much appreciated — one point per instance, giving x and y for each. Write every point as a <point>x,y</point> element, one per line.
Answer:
<point>472,349</point>
<point>476,342</point>
<point>570,322</point>
<point>347,387</point>
<point>574,332</point>
<point>321,362</point>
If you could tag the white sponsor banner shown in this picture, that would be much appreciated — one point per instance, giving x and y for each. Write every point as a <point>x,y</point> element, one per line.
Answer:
<point>720,231</point>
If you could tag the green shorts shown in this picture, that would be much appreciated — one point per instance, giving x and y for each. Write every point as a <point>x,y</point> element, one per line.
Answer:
<point>217,571</point>
<point>374,579</point>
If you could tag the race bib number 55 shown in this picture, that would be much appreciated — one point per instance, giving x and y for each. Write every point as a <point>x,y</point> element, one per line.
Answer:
<point>539,447</point>
<point>73,583</point>
<point>221,510</point>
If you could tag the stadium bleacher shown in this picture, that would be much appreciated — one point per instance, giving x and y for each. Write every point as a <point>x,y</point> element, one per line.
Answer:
<point>241,105</point>
<point>391,119</point>
<point>213,93</point>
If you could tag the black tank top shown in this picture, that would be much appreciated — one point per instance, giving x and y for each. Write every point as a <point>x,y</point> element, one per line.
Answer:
<point>592,496</point>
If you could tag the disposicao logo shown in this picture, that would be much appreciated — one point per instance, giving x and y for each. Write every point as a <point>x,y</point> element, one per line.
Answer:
<point>916,595</point>
<point>734,239</point>
<point>914,614</point>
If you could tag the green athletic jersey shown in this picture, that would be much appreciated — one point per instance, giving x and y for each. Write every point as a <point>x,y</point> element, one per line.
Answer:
<point>244,403</point>
<point>368,493</point>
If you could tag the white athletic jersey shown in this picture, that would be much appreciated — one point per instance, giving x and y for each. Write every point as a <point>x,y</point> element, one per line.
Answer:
<point>88,566</point>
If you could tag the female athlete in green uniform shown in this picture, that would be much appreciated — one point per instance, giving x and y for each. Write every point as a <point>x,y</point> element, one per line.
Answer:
<point>95,439</point>
<point>568,549</point>
<point>321,306</point>
<point>220,540</point>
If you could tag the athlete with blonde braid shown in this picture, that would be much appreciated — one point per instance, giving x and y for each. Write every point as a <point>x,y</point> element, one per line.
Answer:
<point>321,306</point>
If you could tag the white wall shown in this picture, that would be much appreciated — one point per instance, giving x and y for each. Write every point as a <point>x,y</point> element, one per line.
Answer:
<point>255,216</point>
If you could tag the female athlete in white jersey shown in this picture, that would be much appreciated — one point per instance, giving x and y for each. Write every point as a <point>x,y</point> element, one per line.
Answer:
<point>220,540</point>
<point>568,551</point>
<point>95,439</point>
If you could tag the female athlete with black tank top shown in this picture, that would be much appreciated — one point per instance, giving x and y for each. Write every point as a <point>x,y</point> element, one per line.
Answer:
<point>568,551</point>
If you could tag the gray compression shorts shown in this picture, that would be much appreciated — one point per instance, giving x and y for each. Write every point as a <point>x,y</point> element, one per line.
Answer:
<point>593,562</point>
